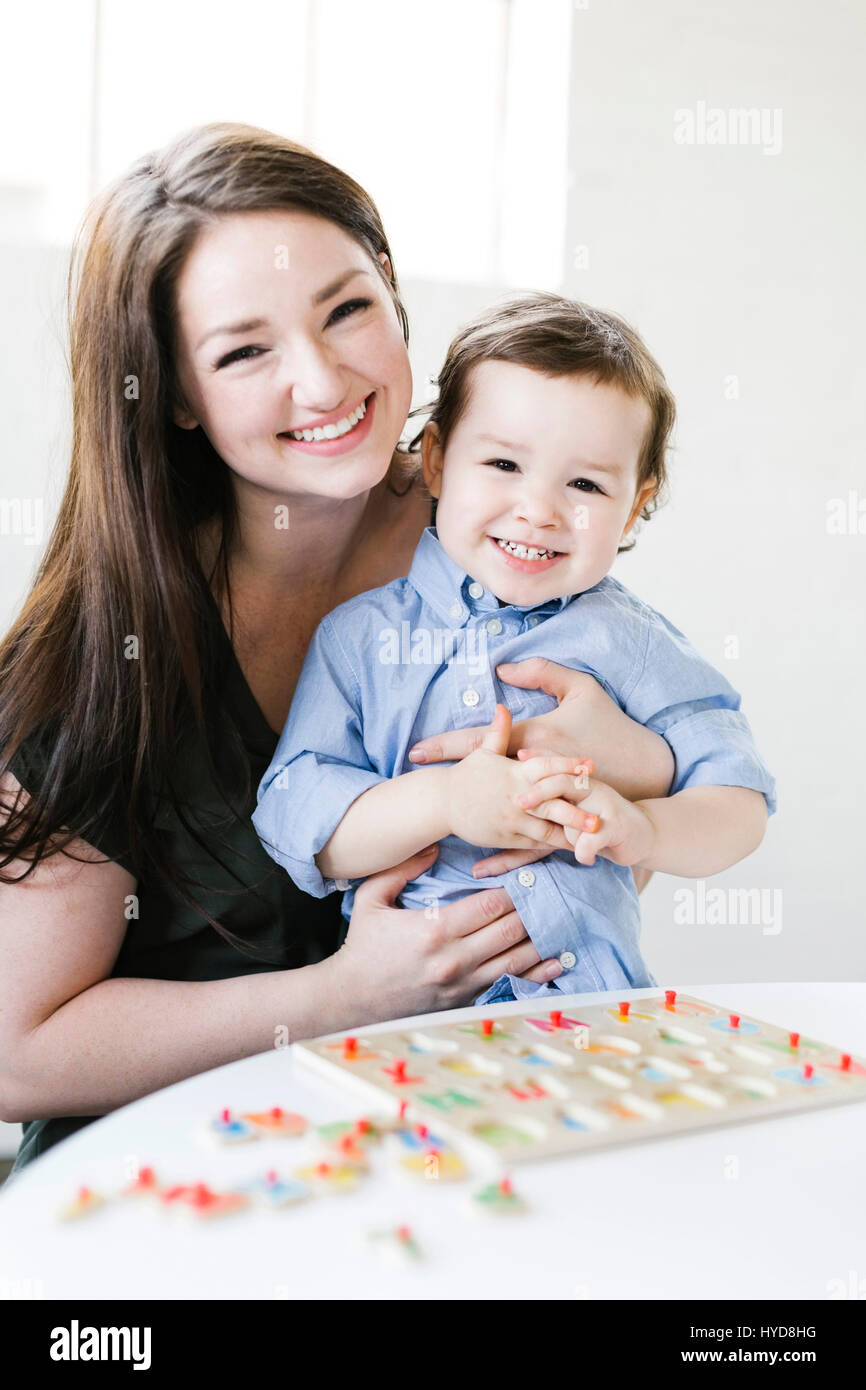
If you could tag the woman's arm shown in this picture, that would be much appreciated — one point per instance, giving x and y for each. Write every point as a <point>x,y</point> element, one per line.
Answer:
<point>73,1042</point>
<point>586,724</point>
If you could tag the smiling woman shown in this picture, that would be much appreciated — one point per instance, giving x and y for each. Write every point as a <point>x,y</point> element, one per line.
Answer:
<point>248,285</point>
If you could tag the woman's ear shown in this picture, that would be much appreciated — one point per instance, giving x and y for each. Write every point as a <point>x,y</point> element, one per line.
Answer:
<point>432,458</point>
<point>184,419</point>
<point>386,264</point>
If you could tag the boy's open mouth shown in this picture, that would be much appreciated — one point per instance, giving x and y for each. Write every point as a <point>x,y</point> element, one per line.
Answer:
<point>525,552</point>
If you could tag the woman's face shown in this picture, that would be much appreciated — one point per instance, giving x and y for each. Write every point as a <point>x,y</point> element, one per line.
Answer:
<point>285,325</point>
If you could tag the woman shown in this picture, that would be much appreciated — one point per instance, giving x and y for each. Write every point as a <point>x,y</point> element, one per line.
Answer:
<point>228,294</point>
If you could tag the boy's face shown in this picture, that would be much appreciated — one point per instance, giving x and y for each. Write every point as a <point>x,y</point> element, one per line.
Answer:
<point>544,462</point>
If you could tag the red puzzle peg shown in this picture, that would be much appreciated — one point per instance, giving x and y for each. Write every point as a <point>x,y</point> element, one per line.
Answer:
<point>735,1020</point>
<point>624,1008</point>
<point>505,1187</point>
<point>556,1018</point>
<point>794,1040</point>
<point>422,1131</point>
<point>225,1116</point>
<point>276,1111</point>
<point>487,1027</point>
<point>271,1175</point>
<point>845,1063</point>
<point>362,1126</point>
<point>402,1112</point>
<point>807,1071</point>
<point>398,1075</point>
<point>670,998</point>
<point>350,1048</point>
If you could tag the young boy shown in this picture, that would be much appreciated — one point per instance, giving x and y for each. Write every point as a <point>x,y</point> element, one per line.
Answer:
<point>546,444</point>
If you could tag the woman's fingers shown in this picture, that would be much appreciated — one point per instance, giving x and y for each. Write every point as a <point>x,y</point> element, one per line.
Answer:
<point>383,889</point>
<point>477,911</point>
<point>447,747</point>
<point>537,673</point>
<point>508,859</point>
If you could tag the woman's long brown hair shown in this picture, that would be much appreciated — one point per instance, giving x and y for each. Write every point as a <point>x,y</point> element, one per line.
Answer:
<point>121,576</point>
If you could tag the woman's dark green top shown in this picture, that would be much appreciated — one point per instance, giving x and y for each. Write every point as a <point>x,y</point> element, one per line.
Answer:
<point>170,940</point>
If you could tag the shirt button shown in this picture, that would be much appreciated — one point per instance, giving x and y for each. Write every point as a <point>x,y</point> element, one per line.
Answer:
<point>494,626</point>
<point>568,960</point>
<point>456,610</point>
<point>476,589</point>
<point>471,697</point>
<point>533,620</point>
<point>526,877</point>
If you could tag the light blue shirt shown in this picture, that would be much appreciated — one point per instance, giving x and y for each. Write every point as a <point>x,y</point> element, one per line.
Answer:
<point>418,656</point>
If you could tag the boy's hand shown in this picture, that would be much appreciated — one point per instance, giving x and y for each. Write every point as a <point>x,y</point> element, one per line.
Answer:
<point>618,830</point>
<point>483,790</point>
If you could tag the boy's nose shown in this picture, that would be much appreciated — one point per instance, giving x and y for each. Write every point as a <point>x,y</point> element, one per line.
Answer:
<point>537,510</point>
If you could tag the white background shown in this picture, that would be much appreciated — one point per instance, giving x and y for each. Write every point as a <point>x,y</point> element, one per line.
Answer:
<point>512,145</point>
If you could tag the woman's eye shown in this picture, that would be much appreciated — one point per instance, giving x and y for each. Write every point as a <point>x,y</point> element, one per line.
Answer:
<point>237,356</point>
<point>585,485</point>
<point>351,306</point>
<point>504,465</point>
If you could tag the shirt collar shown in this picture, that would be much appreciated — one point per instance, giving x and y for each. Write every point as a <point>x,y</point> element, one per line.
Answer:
<point>445,586</point>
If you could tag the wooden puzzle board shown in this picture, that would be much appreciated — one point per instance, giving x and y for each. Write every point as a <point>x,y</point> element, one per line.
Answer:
<point>529,1085</point>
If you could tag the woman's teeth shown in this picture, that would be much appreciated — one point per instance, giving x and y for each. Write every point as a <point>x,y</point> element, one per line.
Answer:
<point>526,552</point>
<point>334,431</point>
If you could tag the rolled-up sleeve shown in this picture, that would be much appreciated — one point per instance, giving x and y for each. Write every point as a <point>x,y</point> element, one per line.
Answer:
<point>697,711</point>
<point>319,767</point>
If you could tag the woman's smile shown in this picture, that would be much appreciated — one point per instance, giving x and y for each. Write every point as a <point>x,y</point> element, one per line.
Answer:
<point>337,435</point>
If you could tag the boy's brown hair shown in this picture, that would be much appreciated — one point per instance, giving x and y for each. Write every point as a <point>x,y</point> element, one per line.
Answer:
<point>561,337</point>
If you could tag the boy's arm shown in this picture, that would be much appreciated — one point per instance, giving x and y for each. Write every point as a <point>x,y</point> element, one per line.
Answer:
<point>387,824</point>
<point>703,830</point>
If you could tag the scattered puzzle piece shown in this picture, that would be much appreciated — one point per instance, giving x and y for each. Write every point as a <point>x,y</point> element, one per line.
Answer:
<point>498,1199</point>
<point>84,1203</point>
<point>331,1177</point>
<point>397,1242</point>
<point>144,1184</point>
<point>278,1123</point>
<point>227,1128</point>
<point>274,1192</point>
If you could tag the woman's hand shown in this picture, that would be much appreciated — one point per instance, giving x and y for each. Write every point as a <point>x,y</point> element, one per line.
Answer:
<point>397,961</point>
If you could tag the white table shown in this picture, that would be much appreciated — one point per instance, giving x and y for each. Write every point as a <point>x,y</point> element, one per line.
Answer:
<point>770,1209</point>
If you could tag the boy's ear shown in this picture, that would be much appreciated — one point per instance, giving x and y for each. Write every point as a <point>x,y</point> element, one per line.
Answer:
<point>432,458</point>
<point>641,498</point>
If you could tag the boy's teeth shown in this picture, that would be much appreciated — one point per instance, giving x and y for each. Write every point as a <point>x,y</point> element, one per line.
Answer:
<point>525,552</point>
<point>334,431</point>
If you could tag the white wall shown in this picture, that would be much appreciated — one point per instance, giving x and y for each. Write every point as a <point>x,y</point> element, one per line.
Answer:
<point>736,263</point>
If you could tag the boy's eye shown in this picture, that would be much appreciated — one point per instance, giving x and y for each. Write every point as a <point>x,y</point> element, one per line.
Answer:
<point>505,465</point>
<point>585,485</point>
<point>351,306</point>
<point>237,356</point>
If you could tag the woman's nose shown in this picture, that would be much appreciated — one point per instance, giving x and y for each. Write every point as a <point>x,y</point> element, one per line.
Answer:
<point>316,380</point>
